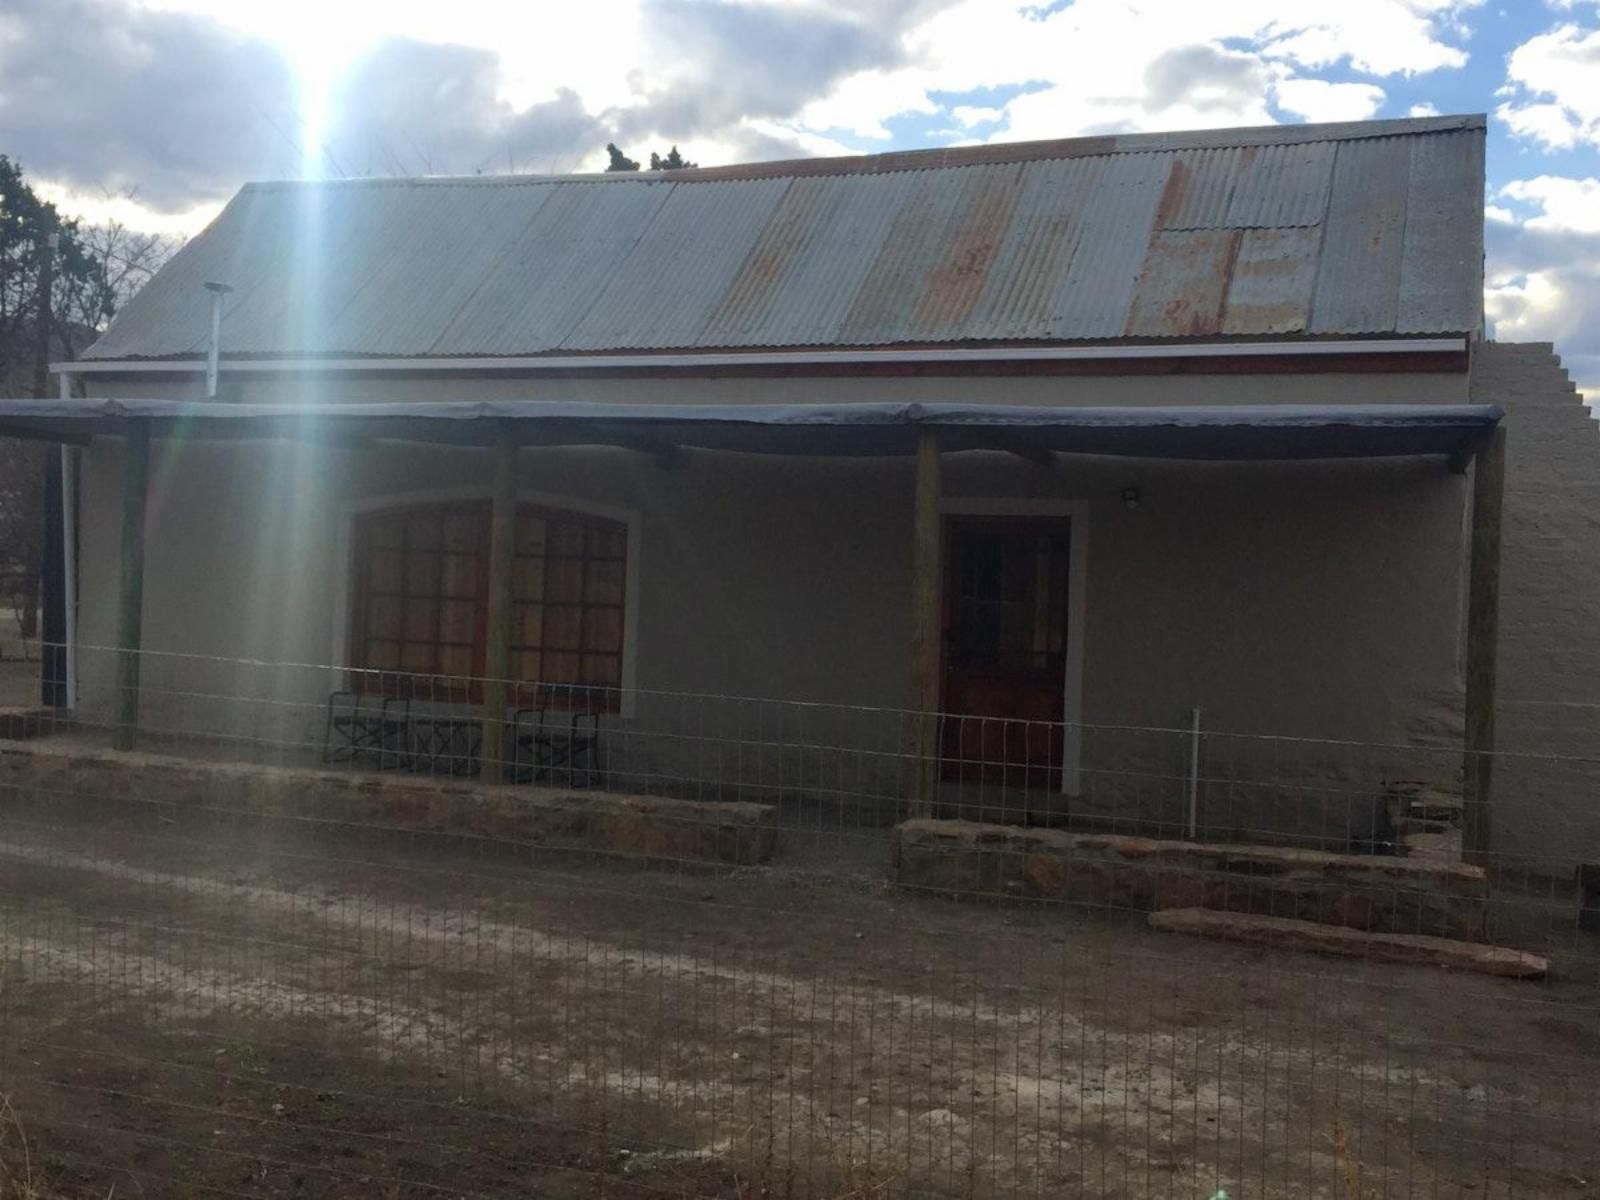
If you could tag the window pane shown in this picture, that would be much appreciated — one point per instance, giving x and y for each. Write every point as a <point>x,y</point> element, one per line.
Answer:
<point>458,622</point>
<point>461,531</point>
<point>422,574</point>
<point>562,668</point>
<point>423,530</point>
<point>603,582</point>
<point>460,575</point>
<point>530,534</point>
<point>564,581</point>
<point>455,660</point>
<point>527,580</point>
<point>602,629</point>
<point>566,539</point>
<point>383,617</point>
<point>422,621</point>
<point>529,627</point>
<point>563,627</point>
<point>386,572</point>
<point>383,656</point>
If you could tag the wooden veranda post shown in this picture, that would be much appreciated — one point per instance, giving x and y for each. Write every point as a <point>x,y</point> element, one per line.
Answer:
<point>130,593</point>
<point>497,652</point>
<point>927,552</point>
<point>1483,640</point>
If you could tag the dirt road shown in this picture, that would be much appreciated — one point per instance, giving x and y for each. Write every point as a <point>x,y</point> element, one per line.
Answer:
<point>354,1015</point>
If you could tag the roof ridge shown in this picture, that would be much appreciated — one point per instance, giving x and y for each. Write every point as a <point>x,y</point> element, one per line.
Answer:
<point>934,158</point>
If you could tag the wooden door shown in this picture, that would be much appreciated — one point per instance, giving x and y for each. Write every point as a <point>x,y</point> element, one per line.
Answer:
<point>1005,649</point>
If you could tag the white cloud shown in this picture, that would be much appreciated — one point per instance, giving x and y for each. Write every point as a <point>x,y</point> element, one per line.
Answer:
<point>1175,64</point>
<point>1542,276</point>
<point>1319,100</point>
<point>1565,205</point>
<point>1556,96</point>
<point>967,116</point>
<point>1425,109</point>
<point>1493,212</point>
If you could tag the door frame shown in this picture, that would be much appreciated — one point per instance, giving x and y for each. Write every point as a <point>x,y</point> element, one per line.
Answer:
<point>1077,514</point>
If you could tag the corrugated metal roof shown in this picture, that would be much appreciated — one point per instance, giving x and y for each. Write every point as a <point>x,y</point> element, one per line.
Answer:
<point>1335,230</point>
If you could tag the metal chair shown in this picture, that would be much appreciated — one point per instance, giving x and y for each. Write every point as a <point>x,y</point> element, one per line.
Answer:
<point>550,737</point>
<point>353,731</point>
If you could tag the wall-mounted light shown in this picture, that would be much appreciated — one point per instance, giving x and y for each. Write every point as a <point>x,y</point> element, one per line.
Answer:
<point>1130,497</point>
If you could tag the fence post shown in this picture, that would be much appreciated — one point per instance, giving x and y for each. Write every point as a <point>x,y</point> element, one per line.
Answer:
<point>497,652</point>
<point>130,596</point>
<point>1483,639</point>
<point>927,553</point>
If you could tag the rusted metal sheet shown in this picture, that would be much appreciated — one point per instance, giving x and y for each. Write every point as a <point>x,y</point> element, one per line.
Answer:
<point>1281,186</point>
<point>1270,290</point>
<point>1358,279</point>
<point>1199,189</point>
<point>663,291</point>
<point>802,276</point>
<point>913,284</point>
<point>1093,295</point>
<point>1019,296</point>
<point>959,273</point>
<point>1183,283</point>
<point>1085,240</point>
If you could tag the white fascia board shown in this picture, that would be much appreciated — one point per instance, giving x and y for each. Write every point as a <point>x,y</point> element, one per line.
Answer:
<point>782,358</point>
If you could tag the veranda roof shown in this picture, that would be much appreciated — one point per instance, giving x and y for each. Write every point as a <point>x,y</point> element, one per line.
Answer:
<point>1239,432</point>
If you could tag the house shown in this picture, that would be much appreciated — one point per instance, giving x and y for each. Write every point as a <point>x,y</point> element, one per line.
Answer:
<point>1090,441</point>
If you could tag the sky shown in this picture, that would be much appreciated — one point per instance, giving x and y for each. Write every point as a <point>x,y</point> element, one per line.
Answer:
<point>153,112</point>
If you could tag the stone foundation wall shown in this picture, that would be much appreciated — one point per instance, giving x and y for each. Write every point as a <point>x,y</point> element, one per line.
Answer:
<point>638,827</point>
<point>1382,894</point>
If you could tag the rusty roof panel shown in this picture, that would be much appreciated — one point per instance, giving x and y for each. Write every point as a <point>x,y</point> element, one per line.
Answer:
<point>1183,283</point>
<point>1270,292</point>
<point>1093,294</point>
<point>1441,264</point>
<point>1358,279</point>
<point>804,271</point>
<point>959,273</point>
<point>1279,186</point>
<point>1019,296</point>
<point>1070,241</point>
<point>917,290</point>
<point>664,290</point>
<point>1199,188</point>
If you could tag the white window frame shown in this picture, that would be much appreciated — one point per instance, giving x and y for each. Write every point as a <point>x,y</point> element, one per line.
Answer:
<point>627,517</point>
<point>1077,514</point>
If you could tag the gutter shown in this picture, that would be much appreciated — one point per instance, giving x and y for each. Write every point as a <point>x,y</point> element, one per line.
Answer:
<point>776,358</point>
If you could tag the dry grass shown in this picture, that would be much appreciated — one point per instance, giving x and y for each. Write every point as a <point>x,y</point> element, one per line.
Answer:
<point>20,1177</point>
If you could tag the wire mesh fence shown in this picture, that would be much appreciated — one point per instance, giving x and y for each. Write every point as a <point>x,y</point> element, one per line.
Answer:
<point>309,938</point>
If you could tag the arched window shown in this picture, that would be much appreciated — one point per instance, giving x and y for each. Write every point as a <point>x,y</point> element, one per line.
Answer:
<point>421,592</point>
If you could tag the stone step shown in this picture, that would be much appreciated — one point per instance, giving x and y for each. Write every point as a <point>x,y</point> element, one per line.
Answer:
<point>1287,933</point>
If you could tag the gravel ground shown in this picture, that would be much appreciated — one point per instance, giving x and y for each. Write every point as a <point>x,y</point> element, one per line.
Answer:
<point>196,1007</point>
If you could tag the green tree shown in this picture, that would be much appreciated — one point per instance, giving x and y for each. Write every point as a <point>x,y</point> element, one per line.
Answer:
<point>672,162</point>
<point>96,268</point>
<point>619,160</point>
